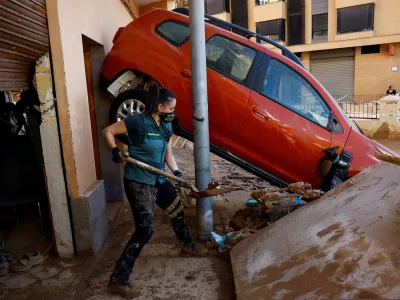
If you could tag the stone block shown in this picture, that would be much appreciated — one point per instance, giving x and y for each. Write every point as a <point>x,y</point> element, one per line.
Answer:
<point>43,81</point>
<point>89,215</point>
<point>43,69</point>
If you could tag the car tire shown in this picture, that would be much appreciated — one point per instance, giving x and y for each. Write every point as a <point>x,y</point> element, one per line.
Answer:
<point>128,103</point>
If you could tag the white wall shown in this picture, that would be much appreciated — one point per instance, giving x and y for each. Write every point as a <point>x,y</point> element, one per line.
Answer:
<point>68,21</point>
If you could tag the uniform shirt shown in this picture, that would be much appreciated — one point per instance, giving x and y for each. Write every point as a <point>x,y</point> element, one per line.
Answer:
<point>148,144</point>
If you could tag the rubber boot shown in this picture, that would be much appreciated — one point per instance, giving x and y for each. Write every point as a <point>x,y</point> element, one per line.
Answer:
<point>185,238</point>
<point>127,291</point>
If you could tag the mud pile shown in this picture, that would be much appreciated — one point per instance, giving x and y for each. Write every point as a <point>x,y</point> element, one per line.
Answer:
<point>344,245</point>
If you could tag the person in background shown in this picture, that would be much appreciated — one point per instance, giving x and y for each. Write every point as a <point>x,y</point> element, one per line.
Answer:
<point>391,91</point>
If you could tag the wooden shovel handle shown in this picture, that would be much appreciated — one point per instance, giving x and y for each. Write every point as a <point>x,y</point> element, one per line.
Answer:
<point>160,172</point>
<point>388,158</point>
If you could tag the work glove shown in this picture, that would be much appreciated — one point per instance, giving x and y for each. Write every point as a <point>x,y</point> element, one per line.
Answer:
<point>117,155</point>
<point>179,174</point>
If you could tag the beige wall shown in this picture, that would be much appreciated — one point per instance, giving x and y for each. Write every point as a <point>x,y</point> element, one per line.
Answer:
<point>332,20</point>
<point>305,58</point>
<point>224,16</point>
<point>347,3</point>
<point>373,72</point>
<point>387,20</point>
<point>270,11</point>
<point>68,21</point>
<point>149,7</point>
<point>251,22</point>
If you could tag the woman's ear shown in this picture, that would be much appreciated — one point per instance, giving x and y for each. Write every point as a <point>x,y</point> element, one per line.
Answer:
<point>159,107</point>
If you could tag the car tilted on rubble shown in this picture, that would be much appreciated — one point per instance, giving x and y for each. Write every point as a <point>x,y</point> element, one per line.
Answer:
<point>267,113</point>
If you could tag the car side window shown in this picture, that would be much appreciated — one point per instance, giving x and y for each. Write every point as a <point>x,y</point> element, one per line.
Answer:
<point>229,58</point>
<point>174,32</point>
<point>285,86</point>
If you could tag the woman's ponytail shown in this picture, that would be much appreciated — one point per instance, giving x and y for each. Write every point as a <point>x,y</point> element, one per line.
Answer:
<point>156,96</point>
<point>153,99</point>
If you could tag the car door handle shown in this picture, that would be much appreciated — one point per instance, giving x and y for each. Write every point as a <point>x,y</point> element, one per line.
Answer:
<point>186,72</point>
<point>260,112</point>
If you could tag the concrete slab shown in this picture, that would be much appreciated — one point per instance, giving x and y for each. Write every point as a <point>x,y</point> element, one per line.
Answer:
<point>343,246</point>
<point>90,218</point>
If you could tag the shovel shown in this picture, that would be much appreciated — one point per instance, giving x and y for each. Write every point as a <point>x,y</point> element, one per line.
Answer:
<point>212,189</point>
<point>388,158</point>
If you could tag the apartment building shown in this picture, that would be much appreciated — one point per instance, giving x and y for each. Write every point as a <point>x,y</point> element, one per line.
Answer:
<point>351,46</point>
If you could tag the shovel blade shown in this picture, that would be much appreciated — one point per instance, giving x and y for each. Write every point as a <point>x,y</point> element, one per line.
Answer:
<point>212,192</point>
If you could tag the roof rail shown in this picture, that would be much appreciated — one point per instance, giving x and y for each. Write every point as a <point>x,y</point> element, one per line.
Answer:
<point>249,34</point>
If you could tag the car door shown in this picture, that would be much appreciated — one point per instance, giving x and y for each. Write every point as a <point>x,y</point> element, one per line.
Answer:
<point>285,127</point>
<point>231,68</point>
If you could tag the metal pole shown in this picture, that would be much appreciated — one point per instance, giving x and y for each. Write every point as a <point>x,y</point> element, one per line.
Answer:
<point>200,117</point>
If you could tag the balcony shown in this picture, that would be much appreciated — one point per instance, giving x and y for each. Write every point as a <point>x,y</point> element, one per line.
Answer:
<point>269,10</point>
<point>262,2</point>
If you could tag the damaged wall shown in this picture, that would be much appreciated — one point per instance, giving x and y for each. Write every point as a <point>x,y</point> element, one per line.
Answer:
<point>52,158</point>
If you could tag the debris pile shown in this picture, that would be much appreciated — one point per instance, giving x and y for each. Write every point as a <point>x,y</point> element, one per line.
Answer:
<point>299,190</point>
<point>226,242</point>
<point>274,203</point>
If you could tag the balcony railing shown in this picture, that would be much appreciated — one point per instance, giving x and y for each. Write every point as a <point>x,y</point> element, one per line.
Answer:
<point>261,2</point>
<point>358,98</point>
<point>360,106</point>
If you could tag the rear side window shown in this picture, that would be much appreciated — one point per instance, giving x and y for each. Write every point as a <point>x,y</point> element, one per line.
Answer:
<point>174,32</point>
<point>287,87</point>
<point>229,58</point>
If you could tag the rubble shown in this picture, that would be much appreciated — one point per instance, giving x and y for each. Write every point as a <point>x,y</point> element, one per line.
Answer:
<point>226,242</point>
<point>275,203</point>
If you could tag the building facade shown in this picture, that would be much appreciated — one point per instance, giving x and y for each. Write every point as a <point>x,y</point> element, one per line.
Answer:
<point>351,46</point>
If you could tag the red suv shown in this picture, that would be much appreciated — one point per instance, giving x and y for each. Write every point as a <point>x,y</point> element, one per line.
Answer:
<point>267,113</point>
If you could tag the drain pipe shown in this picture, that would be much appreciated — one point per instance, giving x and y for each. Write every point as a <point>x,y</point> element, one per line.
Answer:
<point>200,117</point>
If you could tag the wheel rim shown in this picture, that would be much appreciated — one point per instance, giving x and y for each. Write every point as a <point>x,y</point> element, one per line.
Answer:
<point>129,107</point>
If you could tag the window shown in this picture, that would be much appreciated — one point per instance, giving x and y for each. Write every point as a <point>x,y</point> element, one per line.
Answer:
<point>274,30</point>
<point>371,49</point>
<point>288,88</point>
<point>176,33</point>
<point>320,28</point>
<point>229,58</point>
<point>356,18</point>
<point>240,15</point>
<point>213,7</point>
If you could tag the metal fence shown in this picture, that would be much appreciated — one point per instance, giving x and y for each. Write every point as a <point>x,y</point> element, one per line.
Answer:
<point>361,110</point>
<point>360,106</point>
<point>358,98</point>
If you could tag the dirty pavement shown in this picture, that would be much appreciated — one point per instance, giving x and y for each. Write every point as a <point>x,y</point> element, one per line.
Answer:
<point>272,257</point>
<point>160,271</point>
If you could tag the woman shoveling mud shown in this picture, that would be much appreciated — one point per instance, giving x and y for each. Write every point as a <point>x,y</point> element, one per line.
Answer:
<point>150,136</point>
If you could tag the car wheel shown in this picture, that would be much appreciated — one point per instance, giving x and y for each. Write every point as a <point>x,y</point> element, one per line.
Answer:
<point>128,103</point>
